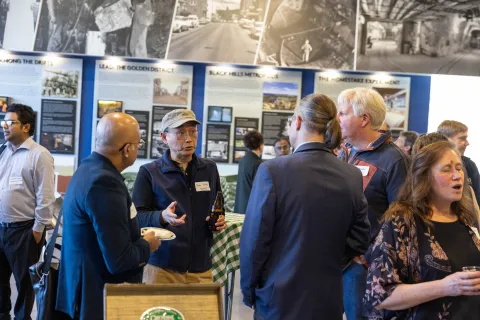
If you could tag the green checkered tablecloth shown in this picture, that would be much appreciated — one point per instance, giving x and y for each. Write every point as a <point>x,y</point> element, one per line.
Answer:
<point>226,248</point>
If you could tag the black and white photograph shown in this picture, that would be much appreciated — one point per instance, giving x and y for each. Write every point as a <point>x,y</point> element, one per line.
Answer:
<point>57,142</point>
<point>218,142</point>
<point>108,106</point>
<point>60,83</point>
<point>220,114</point>
<point>127,28</point>
<point>171,90</point>
<point>217,30</point>
<point>433,37</point>
<point>17,24</point>
<point>309,34</point>
<point>217,150</point>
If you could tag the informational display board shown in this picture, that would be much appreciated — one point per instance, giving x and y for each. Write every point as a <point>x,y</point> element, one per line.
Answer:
<point>52,86</point>
<point>147,91</point>
<point>248,96</point>
<point>394,90</point>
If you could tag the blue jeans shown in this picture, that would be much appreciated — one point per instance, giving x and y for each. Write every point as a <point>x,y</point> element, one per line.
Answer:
<point>354,287</point>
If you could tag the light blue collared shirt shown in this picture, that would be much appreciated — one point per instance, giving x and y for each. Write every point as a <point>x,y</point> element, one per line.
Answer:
<point>27,183</point>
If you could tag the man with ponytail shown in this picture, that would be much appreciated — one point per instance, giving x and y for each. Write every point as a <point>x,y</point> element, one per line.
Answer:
<point>361,112</point>
<point>306,211</point>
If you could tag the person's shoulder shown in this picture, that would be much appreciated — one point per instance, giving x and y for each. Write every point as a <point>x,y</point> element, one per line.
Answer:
<point>390,155</point>
<point>468,162</point>
<point>157,163</point>
<point>210,165</point>
<point>40,151</point>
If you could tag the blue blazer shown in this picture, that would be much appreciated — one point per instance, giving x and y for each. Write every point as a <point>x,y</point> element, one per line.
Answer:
<point>101,240</point>
<point>306,211</point>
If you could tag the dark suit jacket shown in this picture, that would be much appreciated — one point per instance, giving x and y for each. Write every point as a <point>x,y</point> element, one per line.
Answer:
<point>306,210</point>
<point>247,170</point>
<point>101,240</point>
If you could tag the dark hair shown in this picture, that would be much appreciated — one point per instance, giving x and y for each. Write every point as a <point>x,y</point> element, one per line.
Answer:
<point>319,113</point>
<point>410,138</point>
<point>413,197</point>
<point>426,139</point>
<point>253,140</point>
<point>25,115</point>
<point>281,139</point>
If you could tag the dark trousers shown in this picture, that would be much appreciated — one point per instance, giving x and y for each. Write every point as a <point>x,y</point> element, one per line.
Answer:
<point>18,251</point>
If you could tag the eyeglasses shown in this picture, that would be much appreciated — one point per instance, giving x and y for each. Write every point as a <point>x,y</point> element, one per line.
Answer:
<point>182,135</point>
<point>8,123</point>
<point>141,144</point>
<point>282,148</point>
<point>290,119</point>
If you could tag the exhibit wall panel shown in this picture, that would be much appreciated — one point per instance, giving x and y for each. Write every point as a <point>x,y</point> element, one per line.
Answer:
<point>52,86</point>
<point>146,91</point>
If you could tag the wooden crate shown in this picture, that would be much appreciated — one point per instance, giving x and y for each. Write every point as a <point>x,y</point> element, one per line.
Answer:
<point>194,301</point>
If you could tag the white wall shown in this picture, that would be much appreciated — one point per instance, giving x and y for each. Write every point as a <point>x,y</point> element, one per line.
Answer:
<point>457,98</point>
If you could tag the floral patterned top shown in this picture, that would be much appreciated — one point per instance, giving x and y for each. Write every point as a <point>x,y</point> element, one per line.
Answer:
<point>406,252</point>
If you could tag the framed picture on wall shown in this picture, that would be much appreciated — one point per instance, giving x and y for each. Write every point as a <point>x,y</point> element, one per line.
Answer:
<point>220,114</point>
<point>108,106</point>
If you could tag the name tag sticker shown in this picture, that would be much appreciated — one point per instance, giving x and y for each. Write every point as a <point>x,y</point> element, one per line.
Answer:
<point>202,186</point>
<point>133,211</point>
<point>15,181</point>
<point>364,170</point>
<point>475,230</point>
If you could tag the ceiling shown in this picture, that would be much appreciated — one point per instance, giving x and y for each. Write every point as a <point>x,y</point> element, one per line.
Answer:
<point>401,10</point>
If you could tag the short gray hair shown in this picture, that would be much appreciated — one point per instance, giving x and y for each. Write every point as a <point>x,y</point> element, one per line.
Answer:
<point>365,101</point>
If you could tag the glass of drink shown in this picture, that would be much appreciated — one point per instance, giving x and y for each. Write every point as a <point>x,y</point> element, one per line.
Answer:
<point>471,268</point>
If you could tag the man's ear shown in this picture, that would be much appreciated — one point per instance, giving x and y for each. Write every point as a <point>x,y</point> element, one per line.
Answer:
<point>164,137</point>
<point>298,123</point>
<point>26,127</point>
<point>366,120</point>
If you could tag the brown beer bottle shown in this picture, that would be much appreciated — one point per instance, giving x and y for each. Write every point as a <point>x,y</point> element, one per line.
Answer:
<point>217,211</point>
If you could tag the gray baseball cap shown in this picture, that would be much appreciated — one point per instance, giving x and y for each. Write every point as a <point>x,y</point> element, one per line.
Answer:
<point>178,117</point>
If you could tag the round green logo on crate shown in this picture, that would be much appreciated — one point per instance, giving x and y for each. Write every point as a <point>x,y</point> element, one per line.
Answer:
<point>162,313</point>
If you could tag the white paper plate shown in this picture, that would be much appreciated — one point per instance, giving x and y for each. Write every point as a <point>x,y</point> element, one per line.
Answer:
<point>162,234</point>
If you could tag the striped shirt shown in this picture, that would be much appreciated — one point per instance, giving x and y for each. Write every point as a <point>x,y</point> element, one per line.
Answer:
<point>27,183</point>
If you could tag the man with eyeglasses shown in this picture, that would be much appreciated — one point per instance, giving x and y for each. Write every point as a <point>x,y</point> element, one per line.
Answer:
<point>282,146</point>
<point>176,192</point>
<point>26,207</point>
<point>101,241</point>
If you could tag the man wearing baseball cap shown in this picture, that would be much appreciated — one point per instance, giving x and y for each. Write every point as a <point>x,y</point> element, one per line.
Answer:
<point>176,192</point>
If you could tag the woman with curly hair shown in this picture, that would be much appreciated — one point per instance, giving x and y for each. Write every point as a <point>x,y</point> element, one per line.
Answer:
<point>425,242</point>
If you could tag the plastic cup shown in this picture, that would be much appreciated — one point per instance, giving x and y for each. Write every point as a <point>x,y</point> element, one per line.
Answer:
<point>471,268</point>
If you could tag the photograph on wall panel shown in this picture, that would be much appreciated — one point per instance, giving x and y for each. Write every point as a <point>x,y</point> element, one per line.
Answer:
<point>127,28</point>
<point>309,34</point>
<point>18,19</point>
<point>419,36</point>
<point>217,30</point>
